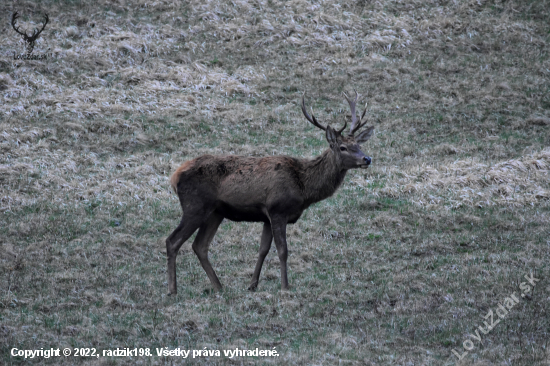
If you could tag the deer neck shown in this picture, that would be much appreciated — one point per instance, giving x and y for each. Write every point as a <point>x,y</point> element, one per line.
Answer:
<point>323,175</point>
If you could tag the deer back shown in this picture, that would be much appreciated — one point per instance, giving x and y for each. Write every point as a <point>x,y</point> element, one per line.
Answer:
<point>240,180</point>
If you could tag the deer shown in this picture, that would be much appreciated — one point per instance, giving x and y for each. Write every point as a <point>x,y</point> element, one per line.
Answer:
<point>274,190</point>
<point>29,39</point>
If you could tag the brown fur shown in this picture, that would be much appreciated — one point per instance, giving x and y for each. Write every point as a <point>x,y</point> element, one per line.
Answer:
<point>176,176</point>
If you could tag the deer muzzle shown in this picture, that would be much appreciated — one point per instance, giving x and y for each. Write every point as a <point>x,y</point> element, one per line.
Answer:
<point>366,162</point>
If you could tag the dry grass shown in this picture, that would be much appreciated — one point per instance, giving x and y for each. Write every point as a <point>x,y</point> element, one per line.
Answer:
<point>397,268</point>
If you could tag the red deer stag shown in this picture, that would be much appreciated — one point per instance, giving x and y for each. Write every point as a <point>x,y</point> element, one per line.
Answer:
<point>274,190</point>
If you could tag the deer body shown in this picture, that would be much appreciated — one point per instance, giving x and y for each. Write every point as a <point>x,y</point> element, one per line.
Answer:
<point>274,190</point>
<point>249,188</point>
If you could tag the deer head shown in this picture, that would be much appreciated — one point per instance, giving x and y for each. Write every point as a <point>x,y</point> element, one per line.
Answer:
<point>29,39</point>
<point>346,149</point>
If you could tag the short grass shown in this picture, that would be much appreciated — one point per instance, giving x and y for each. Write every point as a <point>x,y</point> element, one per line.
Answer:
<point>399,267</point>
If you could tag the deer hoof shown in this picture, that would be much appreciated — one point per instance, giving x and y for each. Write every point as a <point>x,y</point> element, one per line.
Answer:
<point>172,292</point>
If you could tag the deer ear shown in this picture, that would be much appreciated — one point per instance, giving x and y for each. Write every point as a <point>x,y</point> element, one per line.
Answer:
<point>331,136</point>
<point>364,135</point>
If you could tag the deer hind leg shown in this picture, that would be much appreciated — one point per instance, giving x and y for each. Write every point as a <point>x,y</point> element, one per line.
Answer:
<point>279,234</point>
<point>200,246</point>
<point>188,225</point>
<point>265,245</point>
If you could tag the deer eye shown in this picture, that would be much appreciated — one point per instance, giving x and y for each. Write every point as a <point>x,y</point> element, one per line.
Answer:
<point>343,148</point>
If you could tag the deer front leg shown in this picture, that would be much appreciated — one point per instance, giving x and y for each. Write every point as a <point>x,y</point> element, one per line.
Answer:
<point>265,245</point>
<point>278,226</point>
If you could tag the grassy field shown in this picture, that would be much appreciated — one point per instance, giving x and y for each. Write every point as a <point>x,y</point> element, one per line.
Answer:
<point>400,267</point>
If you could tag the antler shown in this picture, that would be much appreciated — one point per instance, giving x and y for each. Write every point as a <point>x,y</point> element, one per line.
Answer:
<point>36,32</point>
<point>352,107</point>
<point>315,123</point>
<point>311,118</point>
<point>343,128</point>
<point>32,38</point>
<point>14,18</point>
<point>354,125</point>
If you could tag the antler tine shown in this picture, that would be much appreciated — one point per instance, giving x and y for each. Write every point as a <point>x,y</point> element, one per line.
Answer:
<point>312,117</point>
<point>361,122</point>
<point>364,111</point>
<point>352,107</point>
<point>343,128</point>
<point>47,19</point>
<point>360,126</point>
<point>36,32</point>
<point>14,18</point>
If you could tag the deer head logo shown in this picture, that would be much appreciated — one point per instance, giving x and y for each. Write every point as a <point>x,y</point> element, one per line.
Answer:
<point>29,39</point>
